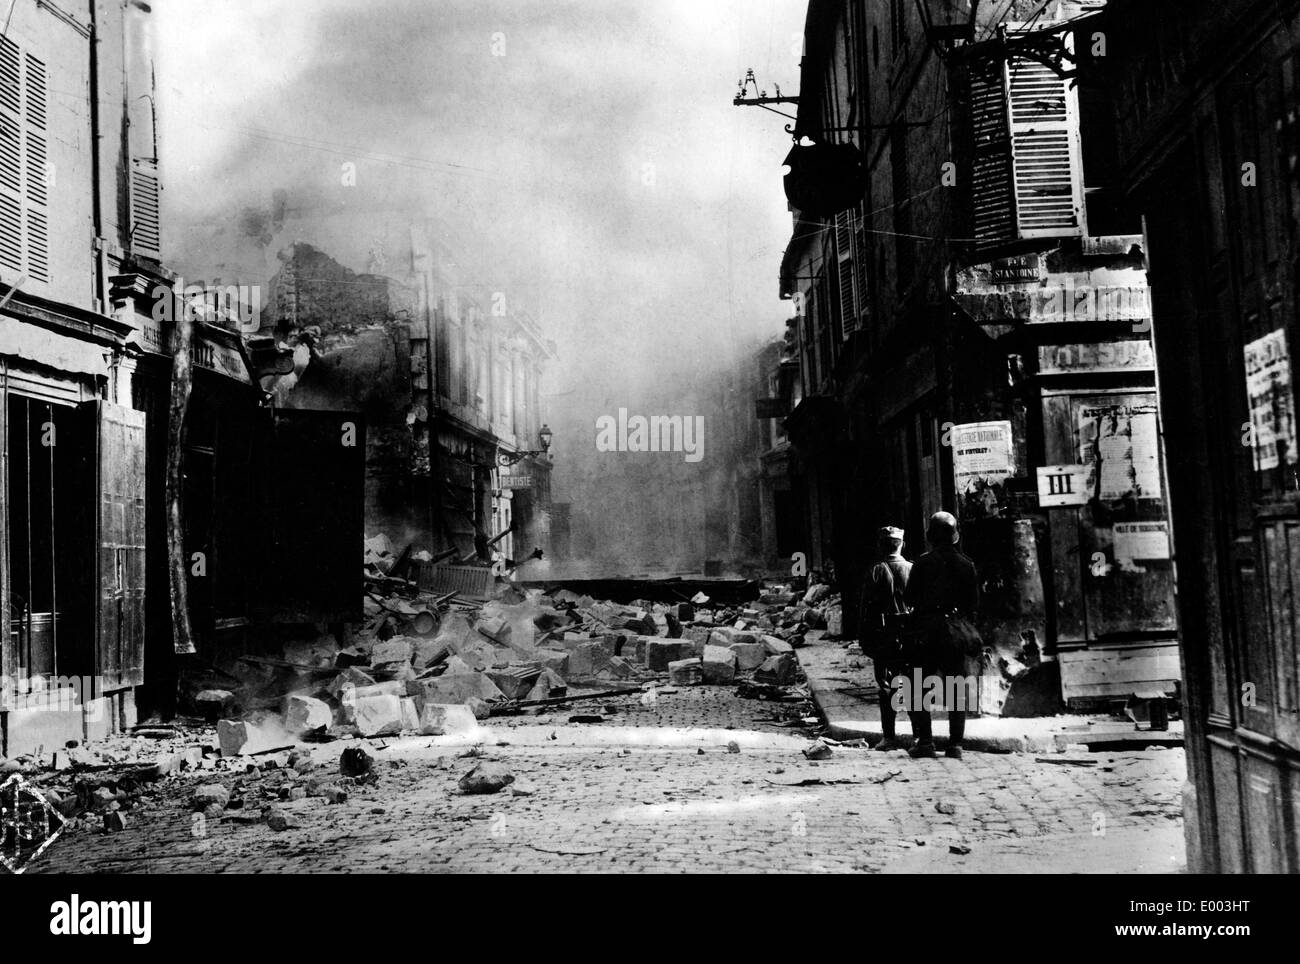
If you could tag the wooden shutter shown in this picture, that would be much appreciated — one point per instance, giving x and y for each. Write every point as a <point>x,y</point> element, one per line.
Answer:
<point>11,157</point>
<point>37,173</point>
<point>847,279</point>
<point>1044,116</point>
<point>861,258</point>
<point>120,655</point>
<point>992,194</point>
<point>24,155</point>
<point>146,238</point>
<point>1027,168</point>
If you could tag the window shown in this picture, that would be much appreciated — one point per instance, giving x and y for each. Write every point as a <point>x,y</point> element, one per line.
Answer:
<point>847,277</point>
<point>146,236</point>
<point>810,339</point>
<point>24,168</point>
<point>825,336</point>
<point>861,262</point>
<point>1027,177</point>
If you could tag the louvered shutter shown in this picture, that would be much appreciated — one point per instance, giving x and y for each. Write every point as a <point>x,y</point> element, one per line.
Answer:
<point>37,171</point>
<point>861,257</point>
<point>11,157</point>
<point>146,240</point>
<point>992,183</point>
<point>1045,147</point>
<point>24,163</point>
<point>847,280</point>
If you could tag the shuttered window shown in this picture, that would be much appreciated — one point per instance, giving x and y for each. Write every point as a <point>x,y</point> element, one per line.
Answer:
<point>24,163</point>
<point>860,260</point>
<point>991,178</point>
<point>1027,175</point>
<point>846,277</point>
<point>146,237</point>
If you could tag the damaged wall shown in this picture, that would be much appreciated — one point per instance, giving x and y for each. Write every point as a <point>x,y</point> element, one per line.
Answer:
<point>352,339</point>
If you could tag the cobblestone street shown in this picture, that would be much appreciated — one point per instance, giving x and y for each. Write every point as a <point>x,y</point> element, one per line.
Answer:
<point>659,789</point>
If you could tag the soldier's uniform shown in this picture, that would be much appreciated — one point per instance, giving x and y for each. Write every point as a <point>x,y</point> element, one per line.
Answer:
<point>943,583</point>
<point>882,599</point>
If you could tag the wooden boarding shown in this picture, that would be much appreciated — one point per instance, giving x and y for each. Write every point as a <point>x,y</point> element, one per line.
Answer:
<point>1119,671</point>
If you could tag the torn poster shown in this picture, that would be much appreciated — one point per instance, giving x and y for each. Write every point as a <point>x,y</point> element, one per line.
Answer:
<point>1272,407</point>
<point>981,452</point>
<point>1141,540</point>
<point>1120,445</point>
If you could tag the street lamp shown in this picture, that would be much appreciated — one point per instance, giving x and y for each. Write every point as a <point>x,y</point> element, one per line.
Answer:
<point>544,437</point>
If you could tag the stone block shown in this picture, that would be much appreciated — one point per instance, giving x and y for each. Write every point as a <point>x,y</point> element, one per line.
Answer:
<point>239,737</point>
<point>685,672</point>
<point>719,664</point>
<point>442,719</point>
<point>776,646</point>
<point>554,660</point>
<point>305,713</point>
<point>486,778</point>
<point>459,688</point>
<point>410,714</point>
<point>778,670</point>
<point>515,682</point>
<point>392,687</point>
<point>660,652</point>
<point>549,685</point>
<point>587,659</point>
<point>393,650</point>
<point>457,665</point>
<point>698,634</point>
<point>495,628</point>
<point>351,676</point>
<point>378,715</point>
<point>749,656</point>
<point>617,667</point>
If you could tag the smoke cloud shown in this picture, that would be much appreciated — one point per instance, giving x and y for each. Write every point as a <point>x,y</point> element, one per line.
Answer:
<point>583,158</point>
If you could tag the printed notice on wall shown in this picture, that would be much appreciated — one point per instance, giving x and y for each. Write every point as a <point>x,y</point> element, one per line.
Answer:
<point>1141,540</point>
<point>982,455</point>
<point>1120,445</point>
<point>1272,407</point>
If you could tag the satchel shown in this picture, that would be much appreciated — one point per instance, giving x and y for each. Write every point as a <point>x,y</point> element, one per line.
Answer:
<point>934,639</point>
<point>963,637</point>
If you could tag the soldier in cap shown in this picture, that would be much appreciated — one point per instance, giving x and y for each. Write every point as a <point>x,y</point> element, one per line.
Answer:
<point>881,607</point>
<point>943,593</point>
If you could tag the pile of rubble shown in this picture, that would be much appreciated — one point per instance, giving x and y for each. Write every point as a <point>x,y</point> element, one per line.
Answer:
<point>434,666</point>
<point>421,665</point>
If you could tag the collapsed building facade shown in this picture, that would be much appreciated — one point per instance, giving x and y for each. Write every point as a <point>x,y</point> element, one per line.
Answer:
<point>973,334</point>
<point>456,454</point>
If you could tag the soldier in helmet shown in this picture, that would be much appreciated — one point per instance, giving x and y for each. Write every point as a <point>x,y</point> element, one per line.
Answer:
<point>879,623</point>
<point>943,594</point>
